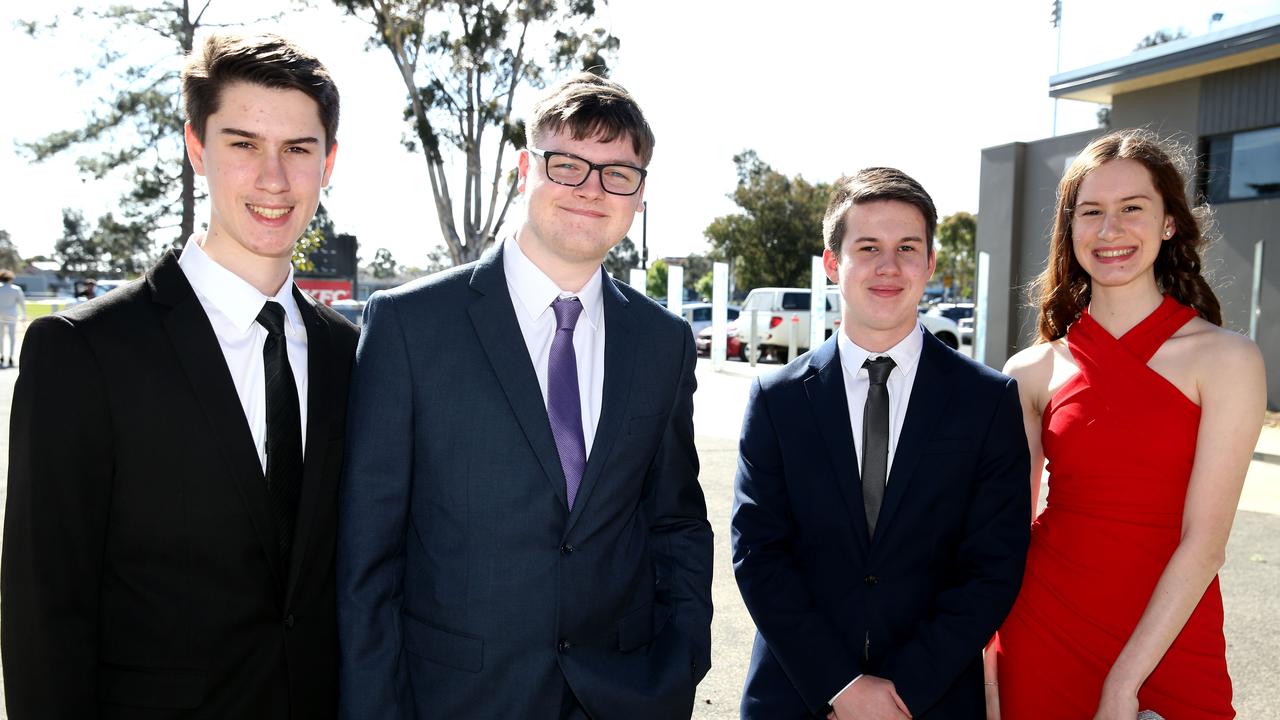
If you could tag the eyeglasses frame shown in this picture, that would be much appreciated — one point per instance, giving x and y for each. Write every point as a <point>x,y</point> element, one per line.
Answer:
<point>597,167</point>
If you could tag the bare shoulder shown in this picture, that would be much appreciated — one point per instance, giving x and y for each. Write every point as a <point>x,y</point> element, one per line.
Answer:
<point>1221,356</point>
<point>1034,370</point>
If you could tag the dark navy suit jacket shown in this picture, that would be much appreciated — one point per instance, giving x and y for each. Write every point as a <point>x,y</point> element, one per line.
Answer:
<point>466,588</point>
<point>916,603</point>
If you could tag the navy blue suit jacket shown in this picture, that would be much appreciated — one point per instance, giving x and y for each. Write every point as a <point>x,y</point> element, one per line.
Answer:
<point>466,588</point>
<point>917,602</point>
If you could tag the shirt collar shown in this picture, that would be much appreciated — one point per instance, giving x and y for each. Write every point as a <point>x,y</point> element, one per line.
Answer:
<point>905,354</point>
<point>535,292</point>
<point>231,295</point>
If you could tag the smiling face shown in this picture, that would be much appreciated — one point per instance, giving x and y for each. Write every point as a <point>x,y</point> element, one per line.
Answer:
<point>882,268</point>
<point>264,159</point>
<point>1118,224</point>
<point>569,230</point>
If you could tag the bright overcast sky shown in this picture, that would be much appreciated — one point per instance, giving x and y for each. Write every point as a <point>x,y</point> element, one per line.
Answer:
<point>816,87</point>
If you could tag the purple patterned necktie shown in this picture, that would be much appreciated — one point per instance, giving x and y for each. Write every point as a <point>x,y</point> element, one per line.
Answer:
<point>564,408</point>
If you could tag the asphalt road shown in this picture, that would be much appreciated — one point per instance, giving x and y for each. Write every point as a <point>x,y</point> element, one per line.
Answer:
<point>1250,579</point>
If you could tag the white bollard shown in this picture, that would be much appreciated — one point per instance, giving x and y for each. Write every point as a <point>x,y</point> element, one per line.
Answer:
<point>719,313</point>
<point>639,279</point>
<point>675,289</point>
<point>817,304</point>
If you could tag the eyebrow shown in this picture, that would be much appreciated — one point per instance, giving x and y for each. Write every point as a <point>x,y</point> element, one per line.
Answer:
<point>909,238</point>
<point>1140,196</point>
<point>308,140</point>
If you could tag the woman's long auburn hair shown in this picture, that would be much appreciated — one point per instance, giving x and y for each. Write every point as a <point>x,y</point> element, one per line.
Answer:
<point>1063,289</point>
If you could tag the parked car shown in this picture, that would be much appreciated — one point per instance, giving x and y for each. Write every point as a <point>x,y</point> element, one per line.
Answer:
<point>733,346</point>
<point>352,310</point>
<point>943,328</point>
<point>775,307</point>
<point>698,315</point>
<point>966,330</point>
<point>954,310</point>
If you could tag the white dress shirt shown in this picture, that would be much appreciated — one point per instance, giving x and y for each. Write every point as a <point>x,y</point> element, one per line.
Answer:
<point>532,293</point>
<point>232,305</point>
<point>906,358</point>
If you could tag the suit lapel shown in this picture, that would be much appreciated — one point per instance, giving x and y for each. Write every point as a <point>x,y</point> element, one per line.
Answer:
<point>826,392</point>
<point>319,402</point>
<point>200,356</point>
<point>494,320</point>
<point>621,343</point>
<point>929,395</point>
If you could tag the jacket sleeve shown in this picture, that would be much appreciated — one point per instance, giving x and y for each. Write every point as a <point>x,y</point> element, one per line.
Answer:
<point>773,585</point>
<point>373,506</point>
<point>681,536</point>
<point>56,516</point>
<point>988,568</point>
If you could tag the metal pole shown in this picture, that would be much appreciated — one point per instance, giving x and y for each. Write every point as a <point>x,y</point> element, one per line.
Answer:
<point>644,236</point>
<point>753,347</point>
<point>1256,309</point>
<point>795,330</point>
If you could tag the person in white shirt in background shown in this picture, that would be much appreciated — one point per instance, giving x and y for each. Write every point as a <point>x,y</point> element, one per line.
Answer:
<point>13,307</point>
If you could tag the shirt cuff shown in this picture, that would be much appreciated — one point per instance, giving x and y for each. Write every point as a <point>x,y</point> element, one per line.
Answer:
<point>832,701</point>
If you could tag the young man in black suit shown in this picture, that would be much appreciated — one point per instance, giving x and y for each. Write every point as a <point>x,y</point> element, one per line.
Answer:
<point>880,519</point>
<point>169,534</point>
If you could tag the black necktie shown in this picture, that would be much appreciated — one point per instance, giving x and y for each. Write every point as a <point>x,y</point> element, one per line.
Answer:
<point>284,428</point>
<point>875,439</point>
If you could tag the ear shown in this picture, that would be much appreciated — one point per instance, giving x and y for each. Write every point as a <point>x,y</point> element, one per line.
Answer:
<point>522,169</point>
<point>933,261</point>
<point>831,263</point>
<point>639,198</point>
<point>1170,227</point>
<point>195,149</point>
<point>328,165</point>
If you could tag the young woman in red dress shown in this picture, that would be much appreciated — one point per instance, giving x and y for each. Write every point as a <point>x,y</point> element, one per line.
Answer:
<point>1147,412</point>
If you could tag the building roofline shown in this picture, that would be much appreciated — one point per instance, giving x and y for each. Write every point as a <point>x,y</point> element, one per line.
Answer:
<point>1248,44</point>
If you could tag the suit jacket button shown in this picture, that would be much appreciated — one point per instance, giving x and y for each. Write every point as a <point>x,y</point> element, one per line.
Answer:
<point>288,620</point>
<point>871,580</point>
<point>567,549</point>
<point>564,646</point>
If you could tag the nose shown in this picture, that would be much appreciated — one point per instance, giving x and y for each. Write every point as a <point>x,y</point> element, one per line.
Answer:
<point>271,175</point>
<point>888,262</point>
<point>591,188</point>
<point>1110,226</point>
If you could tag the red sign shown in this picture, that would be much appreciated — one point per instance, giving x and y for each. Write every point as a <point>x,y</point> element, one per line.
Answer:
<point>325,291</point>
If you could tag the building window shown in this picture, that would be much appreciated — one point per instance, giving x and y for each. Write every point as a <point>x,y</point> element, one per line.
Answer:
<point>1242,166</point>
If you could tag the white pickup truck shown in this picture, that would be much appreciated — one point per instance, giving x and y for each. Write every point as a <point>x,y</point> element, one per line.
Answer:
<point>775,307</point>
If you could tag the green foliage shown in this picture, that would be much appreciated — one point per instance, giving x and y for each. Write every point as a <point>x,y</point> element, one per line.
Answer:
<point>705,285</point>
<point>778,230</point>
<point>113,248</point>
<point>696,267</point>
<point>655,282</point>
<point>9,257</point>
<point>957,257</point>
<point>1160,37</point>
<point>135,132</point>
<point>621,259</point>
<point>311,240</point>
<point>384,265</point>
<point>462,62</point>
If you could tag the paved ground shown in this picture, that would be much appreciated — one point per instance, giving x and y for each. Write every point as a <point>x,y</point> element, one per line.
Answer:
<point>1250,580</point>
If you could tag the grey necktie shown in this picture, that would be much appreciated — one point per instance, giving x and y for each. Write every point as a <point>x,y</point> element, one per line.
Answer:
<point>875,439</point>
<point>564,408</point>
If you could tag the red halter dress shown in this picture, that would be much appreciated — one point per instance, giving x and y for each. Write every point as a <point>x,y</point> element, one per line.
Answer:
<point>1120,440</point>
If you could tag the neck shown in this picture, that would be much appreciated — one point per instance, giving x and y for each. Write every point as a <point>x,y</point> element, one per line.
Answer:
<point>1119,309</point>
<point>266,274</point>
<point>875,341</point>
<point>568,275</point>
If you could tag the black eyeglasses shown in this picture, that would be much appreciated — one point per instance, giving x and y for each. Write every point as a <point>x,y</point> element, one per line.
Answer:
<point>567,169</point>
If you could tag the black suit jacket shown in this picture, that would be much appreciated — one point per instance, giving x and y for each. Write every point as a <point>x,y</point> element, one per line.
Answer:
<point>916,603</point>
<point>466,588</point>
<point>141,576</point>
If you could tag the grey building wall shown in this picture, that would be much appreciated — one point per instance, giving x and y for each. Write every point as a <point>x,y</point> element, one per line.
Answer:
<point>1019,182</point>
